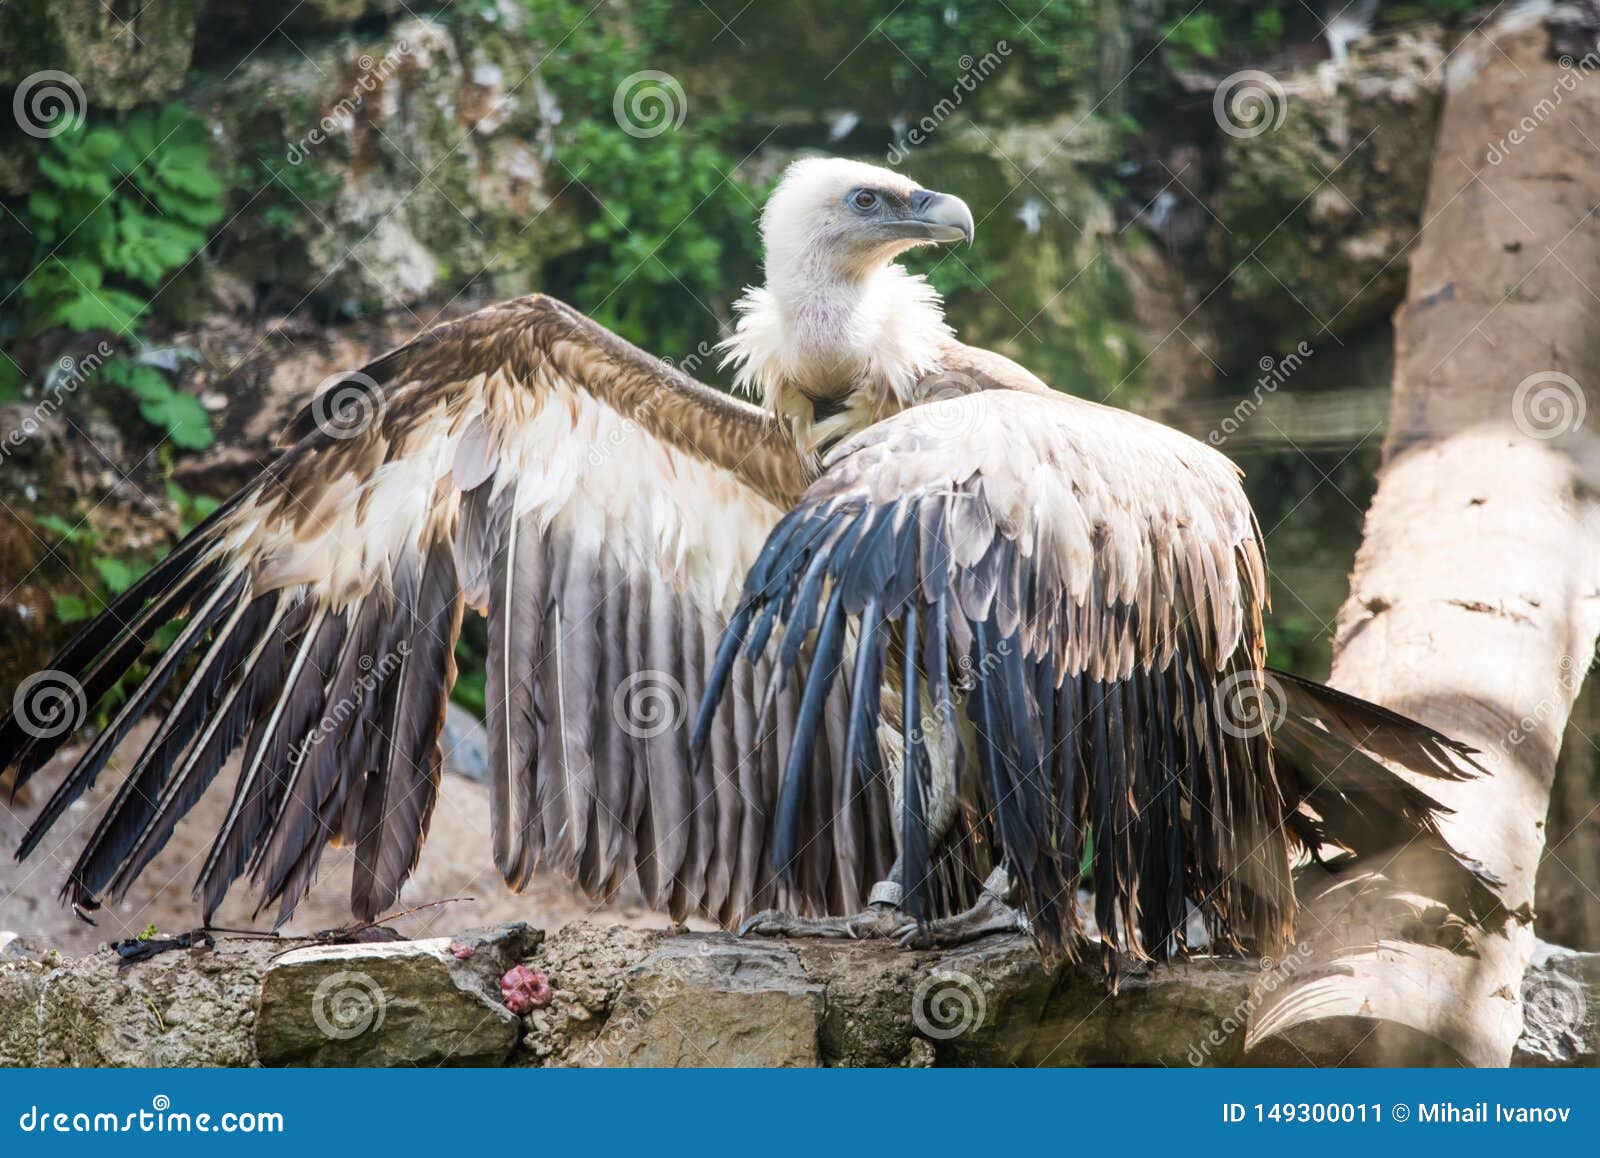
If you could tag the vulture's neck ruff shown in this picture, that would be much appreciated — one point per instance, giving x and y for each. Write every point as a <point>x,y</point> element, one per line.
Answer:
<point>833,359</point>
<point>840,336</point>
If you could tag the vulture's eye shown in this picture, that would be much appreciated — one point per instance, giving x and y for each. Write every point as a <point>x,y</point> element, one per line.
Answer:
<point>864,199</point>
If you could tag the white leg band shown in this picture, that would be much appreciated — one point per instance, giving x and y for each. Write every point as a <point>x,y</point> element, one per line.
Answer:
<point>886,893</point>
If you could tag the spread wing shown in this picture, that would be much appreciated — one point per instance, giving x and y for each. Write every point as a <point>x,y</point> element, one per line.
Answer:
<point>602,509</point>
<point>1081,592</point>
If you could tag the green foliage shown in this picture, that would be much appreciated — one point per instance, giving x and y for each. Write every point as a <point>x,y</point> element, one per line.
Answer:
<point>105,575</point>
<point>933,36</point>
<point>472,666</point>
<point>192,509</point>
<point>296,187</point>
<point>1197,35</point>
<point>668,216</point>
<point>471,689</point>
<point>1064,313</point>
<point>667,224</point>
<point>1297,643</point>
<point>1266,29</point>
<point>116,210</point>
<point>1233,30</point>
<point>1428,9</point>
<point>179,414</point>
<point>78,545</point>
<point>10,380</point>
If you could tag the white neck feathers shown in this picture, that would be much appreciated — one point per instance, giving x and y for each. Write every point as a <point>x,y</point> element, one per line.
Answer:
<point>861,343</point>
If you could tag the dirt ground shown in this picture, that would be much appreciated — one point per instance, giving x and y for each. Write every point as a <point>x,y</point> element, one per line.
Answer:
<point>456,862</point>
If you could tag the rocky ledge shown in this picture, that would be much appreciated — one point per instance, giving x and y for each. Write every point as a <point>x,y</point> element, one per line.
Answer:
<point>588,996</point>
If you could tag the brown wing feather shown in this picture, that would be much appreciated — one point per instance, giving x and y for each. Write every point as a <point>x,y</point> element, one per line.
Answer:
<point>600,505</point>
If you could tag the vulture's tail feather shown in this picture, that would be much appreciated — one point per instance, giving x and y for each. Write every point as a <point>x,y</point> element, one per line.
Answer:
<point>103,650</point>
<point>914,842</point>
<point>1333,745</point>
<point>1379,730</point>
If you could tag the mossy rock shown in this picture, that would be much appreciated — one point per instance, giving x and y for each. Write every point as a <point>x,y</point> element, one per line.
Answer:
<point>1038,284</point>
<point>789,64</point>
<point>119,58</point>
<point>1319,203</point>
<point>406,1003</point>
<point>388,169</point>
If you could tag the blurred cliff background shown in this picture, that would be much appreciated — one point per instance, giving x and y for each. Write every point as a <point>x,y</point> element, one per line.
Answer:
<point>207,207</point>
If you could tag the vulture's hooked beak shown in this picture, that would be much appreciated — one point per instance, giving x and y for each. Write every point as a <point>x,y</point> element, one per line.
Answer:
<point>937,217</point>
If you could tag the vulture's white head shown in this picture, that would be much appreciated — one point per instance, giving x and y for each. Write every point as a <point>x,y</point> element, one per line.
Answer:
<point>830,218</point>
<point>840,332</point>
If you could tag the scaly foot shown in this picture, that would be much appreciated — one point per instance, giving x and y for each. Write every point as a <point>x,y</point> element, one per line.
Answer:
<point>877,921</point>
<point>989,915</point>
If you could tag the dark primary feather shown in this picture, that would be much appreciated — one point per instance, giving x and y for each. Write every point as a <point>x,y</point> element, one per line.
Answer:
<point>1101,633</point>
<point>319,607</point>
<point>401,790</point>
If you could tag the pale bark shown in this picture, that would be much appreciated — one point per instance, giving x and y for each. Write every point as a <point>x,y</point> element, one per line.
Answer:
<point>1475,601</point>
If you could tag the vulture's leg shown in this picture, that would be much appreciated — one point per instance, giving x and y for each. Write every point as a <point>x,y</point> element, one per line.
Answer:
<point>883,916</point>
<point>991,914</point>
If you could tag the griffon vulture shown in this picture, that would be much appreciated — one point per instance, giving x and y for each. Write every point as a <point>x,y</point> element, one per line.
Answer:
<point>955,639</point>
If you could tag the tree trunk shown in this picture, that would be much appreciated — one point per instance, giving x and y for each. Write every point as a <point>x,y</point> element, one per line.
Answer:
<point>1475,601</point>
<point>1569,874</point>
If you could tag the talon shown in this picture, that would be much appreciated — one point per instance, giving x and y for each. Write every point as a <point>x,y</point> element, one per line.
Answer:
<point>859,926</point>
<point>988,916</point>
<point>756,923</point>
